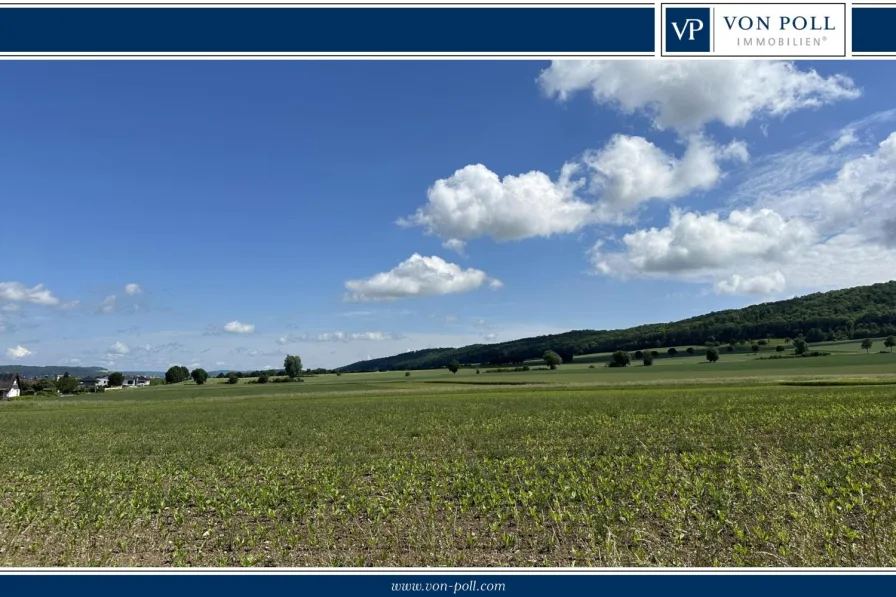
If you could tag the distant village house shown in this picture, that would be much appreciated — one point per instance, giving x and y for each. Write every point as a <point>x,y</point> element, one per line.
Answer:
<point>9,386</point>
<point>93,382</point>
<point>135,382</point>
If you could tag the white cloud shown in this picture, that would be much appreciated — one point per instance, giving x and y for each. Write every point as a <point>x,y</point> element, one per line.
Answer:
<point>18,352</point>
<point>119,348</point>
<point>236,327</point>
<point>846,139</point>
<point>108,304</point>
<point>696,243</point>
<point>475,202</point>
<point>132,289</point>
<point>194,365</point>
<point>456,245</point>
<point>632,170</point>
<point>418,276</point>
<point>17,292</point>
<point>823,234</point>
<point>10,307</point>
<point>761,284</point>
<point>688,94</point>
<point>861,195</point>
<point>337,337</point>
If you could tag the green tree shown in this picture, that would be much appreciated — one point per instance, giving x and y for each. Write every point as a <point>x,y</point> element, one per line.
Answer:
<point>44,385</point>
<point>729,348</point>
<point>779,348</point>
<point>690,350</point>
<point>800,346</point>
<point>454,366</point>
<point>264,377</point>
<point>407,373</point>
<point>551,359</point>
<point>647,359</point>
<point>66,384</point>
<point>620,358</point>
<point>293,366</point>
<point>176,374</point>
<point>200,376</point>
<point>867,343</point>
<point>116,379</point>
<point>233,378</point>
<point>639,355</point>
<point>890,342</point>
<point>755,348</point>
<point>672,352</point>
<point>712,355</point>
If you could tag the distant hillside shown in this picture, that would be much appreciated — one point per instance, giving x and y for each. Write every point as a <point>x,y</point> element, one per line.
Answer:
<point>52,371</point>
<point>29,371</point>
<point>864,311</point>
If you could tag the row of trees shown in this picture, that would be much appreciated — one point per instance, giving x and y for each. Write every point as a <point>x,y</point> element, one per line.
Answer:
<point>292,368</point>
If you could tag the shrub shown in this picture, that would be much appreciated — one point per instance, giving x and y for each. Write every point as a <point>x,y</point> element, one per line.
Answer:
<point>407,373</point>
<point>648,360</point>
<point>620,358</point>
<point>233,378</point>
<point>779,348</point>
<point>591,366</point>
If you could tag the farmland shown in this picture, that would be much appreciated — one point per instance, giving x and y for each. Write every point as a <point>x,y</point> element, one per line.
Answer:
<point>762,463</point>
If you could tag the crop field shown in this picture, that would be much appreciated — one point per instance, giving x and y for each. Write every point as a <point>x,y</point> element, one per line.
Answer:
<point>388,470</point>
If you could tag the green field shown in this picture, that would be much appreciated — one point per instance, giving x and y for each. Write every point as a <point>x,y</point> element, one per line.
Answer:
<point>738,463</point>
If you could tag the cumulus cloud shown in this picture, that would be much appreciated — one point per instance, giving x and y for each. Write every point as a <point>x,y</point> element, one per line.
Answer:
<point>418,276</point>
<point>826,233</point>
<point>475,202</point>
<point>686,95</point>
<point>18,352</point>
<point>861,195</point>
<point>132,289</point>
<point>631,170</point>
<point>16,292</point>
<point>456,245</point>
<point>119,348</point>
<point>761,284</point>
<point>698,242</point>
<point>237,327</point>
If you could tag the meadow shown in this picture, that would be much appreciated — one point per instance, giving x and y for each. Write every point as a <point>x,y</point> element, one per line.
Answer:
<point>744,462</point>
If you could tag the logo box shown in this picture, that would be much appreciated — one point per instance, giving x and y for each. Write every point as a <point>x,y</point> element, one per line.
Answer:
<point>688,29</point>
<point>754,30</point>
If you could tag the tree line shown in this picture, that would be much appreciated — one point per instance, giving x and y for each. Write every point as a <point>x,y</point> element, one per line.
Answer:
<point>861,312</point>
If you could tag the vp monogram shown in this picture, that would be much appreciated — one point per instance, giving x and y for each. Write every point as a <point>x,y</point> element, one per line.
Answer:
<point>691,26</point>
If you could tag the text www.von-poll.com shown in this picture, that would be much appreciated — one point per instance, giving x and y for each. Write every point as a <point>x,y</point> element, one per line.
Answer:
<point>470,586</point>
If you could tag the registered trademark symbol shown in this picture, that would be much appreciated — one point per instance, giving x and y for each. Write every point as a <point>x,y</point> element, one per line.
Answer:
<point>824,38</point>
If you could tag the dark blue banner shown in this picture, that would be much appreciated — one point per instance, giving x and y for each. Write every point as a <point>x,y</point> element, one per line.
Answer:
<point>730,585</point>
<point>507,30</point>
<point>874,29</point>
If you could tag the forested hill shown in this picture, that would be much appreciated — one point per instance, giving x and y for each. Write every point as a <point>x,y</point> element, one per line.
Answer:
<point>864,311</point>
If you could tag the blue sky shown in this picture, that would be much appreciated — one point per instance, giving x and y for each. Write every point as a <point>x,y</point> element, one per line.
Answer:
<point>226,213</point>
